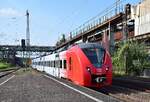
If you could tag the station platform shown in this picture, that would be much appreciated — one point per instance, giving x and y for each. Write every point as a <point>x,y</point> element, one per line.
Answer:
<point>33,86</point>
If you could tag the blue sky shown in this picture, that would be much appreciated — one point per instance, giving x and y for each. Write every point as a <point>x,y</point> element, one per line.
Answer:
<point>48,18</point>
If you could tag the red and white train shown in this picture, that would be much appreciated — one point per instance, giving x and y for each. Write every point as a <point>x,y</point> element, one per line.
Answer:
<point>85,64</point>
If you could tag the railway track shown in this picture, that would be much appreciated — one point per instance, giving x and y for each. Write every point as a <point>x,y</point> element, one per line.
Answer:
<point>127,94</point>
<point>136,84</point>
<point>129,90</point>
<point>7,72</point>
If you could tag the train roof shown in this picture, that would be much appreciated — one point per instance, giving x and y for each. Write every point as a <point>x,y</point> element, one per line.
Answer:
<point>81,45</point>
<point>90,45</point>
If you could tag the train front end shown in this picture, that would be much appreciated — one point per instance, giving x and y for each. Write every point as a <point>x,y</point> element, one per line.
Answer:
<point>97,65</point>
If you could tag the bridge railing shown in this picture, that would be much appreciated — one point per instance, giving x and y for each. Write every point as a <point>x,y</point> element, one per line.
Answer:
<point>113,10</point>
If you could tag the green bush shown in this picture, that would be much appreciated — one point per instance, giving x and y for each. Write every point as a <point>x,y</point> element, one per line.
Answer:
<point>4,65</point>
<point>130,58</point>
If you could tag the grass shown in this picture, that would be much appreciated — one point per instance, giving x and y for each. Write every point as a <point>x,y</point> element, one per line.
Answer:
<point>4,65</point>
<point>119,73</point>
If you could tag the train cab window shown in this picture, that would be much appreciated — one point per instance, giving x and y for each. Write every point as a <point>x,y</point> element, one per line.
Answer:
<point>64,64</point>
<point>95,55</point>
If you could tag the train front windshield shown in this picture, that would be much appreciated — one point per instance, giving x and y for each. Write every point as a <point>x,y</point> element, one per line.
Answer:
<point>95,55</point>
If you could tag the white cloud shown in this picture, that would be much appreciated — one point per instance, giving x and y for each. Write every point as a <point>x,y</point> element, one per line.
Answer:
<point>5,12</point>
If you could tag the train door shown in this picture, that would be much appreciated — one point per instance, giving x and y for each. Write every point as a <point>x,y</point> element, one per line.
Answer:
<point>70,67</point>
<point>53,66</point>
<point>40,64</point>
<point>63,70</point>
<point>57,69</point>
<point>43,64</point>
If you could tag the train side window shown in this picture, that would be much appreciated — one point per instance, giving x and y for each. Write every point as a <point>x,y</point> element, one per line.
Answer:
<point>54,63</point>
<point>57,64</point>
<point>60,62</point>
<point>64,64</point>
<point>45,63</point>
<point>49,64</point>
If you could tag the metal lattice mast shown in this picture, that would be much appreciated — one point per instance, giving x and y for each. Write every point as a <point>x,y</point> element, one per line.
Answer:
<point>28,34</point>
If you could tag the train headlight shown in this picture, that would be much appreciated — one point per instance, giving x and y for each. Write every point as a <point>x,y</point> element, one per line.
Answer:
<point>88,69</point>
<point>107,68</point>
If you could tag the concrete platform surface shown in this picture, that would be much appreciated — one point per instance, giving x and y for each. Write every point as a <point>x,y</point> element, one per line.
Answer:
<point>32,86</point>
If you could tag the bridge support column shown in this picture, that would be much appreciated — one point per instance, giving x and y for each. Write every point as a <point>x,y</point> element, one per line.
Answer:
<point>84,39</point>
<point>111,39</point>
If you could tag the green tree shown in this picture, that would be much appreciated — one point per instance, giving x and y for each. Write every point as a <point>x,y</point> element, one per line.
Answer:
<point>130,58</point>
<point>62,40</point>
